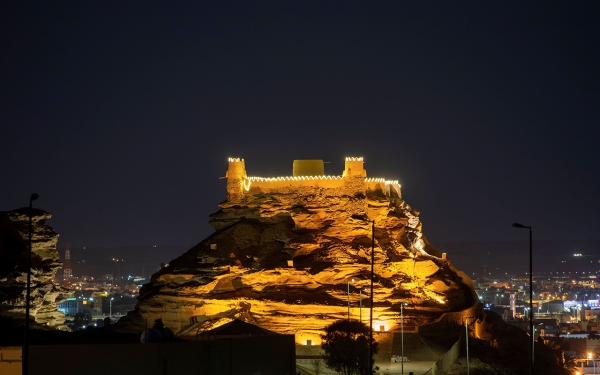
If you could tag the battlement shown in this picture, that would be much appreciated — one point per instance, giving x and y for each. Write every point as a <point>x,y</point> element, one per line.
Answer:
<point>236,169</point>
<point>352,181</point>
<point>354,167</point>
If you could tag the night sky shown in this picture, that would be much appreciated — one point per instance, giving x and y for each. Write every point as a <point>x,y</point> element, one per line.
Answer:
<point>122,115</point>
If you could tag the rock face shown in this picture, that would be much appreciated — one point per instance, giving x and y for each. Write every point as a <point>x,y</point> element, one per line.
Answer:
<point>292,254</point>
<point>45,262</point>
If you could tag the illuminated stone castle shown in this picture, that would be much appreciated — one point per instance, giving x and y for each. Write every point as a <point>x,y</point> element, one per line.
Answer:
<point>292,255</point>
<point>307,175</point>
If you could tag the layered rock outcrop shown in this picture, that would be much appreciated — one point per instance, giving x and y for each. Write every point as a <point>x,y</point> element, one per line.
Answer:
<point>45,262</point>
<point>293,254</point>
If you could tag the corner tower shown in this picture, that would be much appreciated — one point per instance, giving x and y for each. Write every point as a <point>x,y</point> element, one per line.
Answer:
<point>236,176</point>
<point>354,167</point>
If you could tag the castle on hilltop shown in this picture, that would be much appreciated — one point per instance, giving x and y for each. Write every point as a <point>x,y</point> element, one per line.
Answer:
<point>308,175</point>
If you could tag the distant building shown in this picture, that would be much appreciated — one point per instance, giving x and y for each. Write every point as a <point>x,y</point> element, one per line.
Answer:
<point>70,306</point>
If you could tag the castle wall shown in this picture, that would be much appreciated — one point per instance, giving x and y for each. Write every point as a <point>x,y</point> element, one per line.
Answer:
<point>390,188</point>
<point>320,182</point>
<point>352,182</point>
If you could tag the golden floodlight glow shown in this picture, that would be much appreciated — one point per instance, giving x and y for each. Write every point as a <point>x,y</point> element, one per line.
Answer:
<point>308,338</point>
<point>381,326</point>
<point>306,177</point>
<point>293,178</point>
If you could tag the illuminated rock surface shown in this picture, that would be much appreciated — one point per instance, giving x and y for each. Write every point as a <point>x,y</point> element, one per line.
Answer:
<point>45,262</point>
<point>285,249</point>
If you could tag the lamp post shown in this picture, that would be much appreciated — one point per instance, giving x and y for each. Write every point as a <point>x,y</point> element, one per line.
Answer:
<point>467,340</point>
<point>593,361</point>
<point>349,299</point>
<point>110,306</point>
<point>402,329</point>
<point>364,218</point>
<point>360,308</point>
<point>521,226</point>
<point>25,367</point>
<point>372,296</point>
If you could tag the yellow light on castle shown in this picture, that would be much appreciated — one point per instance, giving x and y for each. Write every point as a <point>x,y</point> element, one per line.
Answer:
<point>381,326</point>
<point>308,338</point>
<point>308,173</point>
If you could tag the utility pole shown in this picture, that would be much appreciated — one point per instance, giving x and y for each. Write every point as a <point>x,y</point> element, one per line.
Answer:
<point>25,367</point>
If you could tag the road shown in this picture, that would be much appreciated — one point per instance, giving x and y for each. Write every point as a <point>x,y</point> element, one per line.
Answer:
<point>306,367</point>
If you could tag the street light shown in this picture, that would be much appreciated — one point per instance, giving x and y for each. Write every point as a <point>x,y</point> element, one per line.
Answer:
<point>110,306</point>
<point>372,296</point>
<point>521,226</point>
<point>360,308</point>
<point>593,361</point>
<point>25,367</point>
<point>402,327</point>
<point>364,218</point>
<point>349,299</point>
<point>467,340</point>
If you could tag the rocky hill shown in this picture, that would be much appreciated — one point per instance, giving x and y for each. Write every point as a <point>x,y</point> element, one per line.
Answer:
<point>293,256</point>
<point>14,234</point>
<point>507,353</point>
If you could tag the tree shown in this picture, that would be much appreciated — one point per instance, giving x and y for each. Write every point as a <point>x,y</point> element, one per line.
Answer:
<point>346,347</point>
<point>316,366</point>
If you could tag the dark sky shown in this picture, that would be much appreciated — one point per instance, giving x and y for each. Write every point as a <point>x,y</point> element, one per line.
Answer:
<point>122,116</point>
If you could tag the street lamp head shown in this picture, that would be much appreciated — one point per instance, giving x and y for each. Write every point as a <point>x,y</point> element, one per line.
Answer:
<point>34,196</point>
<point>517,225</point>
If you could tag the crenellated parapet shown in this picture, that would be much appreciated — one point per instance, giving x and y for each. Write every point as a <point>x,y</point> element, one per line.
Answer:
<point>354,167</point>
<point>307,174</point>
<point>236,176</point>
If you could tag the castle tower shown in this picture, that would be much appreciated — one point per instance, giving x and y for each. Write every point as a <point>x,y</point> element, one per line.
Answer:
<point>236,175</point>
<point>312,167</point>
<point>354,182</point>
<point>354,167</point>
